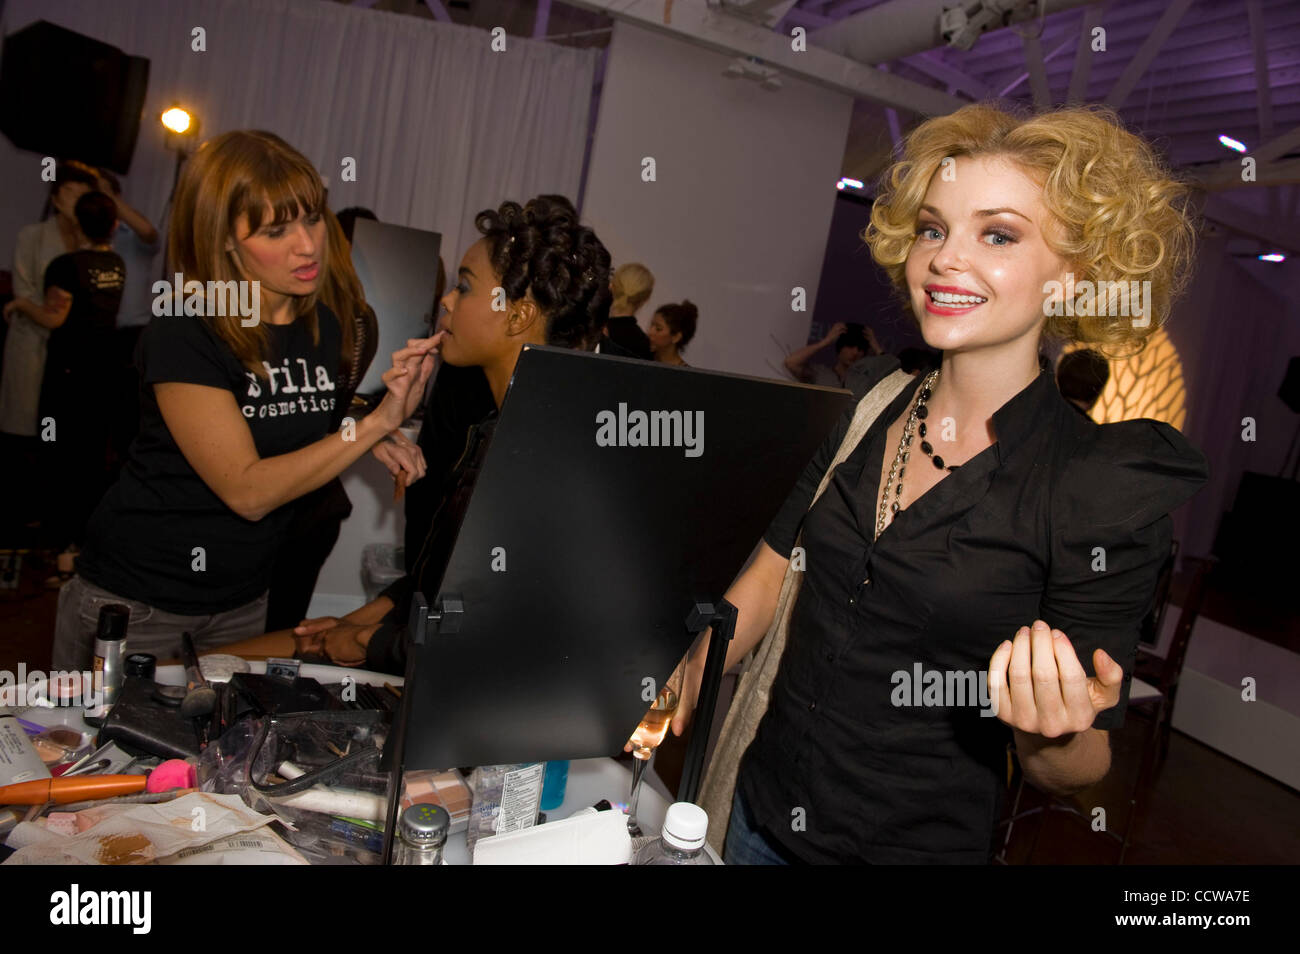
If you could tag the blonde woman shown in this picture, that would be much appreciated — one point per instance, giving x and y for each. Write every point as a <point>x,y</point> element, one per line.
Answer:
<point>981,527</point>
<point>236,414</point>
<point>631,287</point>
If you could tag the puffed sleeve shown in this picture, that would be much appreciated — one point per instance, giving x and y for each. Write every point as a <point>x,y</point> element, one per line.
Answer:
<point>1111,533</point>
<point>784,528</point>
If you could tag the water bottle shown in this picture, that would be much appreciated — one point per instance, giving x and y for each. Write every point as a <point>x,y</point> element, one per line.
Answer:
<point>422,835</point>
<point>681,841</point>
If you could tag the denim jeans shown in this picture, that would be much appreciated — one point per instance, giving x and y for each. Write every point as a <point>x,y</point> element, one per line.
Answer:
<point>746,845</point>
<point>149,630</point>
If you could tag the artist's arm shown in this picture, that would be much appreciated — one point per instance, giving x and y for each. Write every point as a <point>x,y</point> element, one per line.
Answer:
<point>52,314</point>
<point>796,360</point>
<point>212,434</point>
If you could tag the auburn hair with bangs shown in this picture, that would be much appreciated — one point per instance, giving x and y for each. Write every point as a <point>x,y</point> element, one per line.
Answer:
<point>1123,215</point>
<point>244,172</point>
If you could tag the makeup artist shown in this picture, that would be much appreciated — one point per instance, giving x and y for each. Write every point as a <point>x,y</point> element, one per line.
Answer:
<point>555,273</point>
<point>978,525</point>
<point>235,410</point>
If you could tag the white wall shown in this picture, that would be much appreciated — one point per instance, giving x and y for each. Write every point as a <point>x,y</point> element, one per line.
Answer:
<point>741,207</point>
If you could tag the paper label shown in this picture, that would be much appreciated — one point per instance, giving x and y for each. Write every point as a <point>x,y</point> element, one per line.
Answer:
<point>521,792</point>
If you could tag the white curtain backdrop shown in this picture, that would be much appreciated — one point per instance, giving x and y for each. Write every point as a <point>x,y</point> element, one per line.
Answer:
<point>439,124</point>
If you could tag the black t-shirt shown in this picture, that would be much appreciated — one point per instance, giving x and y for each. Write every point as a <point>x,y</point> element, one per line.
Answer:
<point>1011,536</point>
<point>75,361</point>
<point>143,539</point>
<point>627,334</point>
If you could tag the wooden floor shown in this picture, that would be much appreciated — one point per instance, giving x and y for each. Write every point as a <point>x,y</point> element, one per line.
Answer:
<point>1204,808</point>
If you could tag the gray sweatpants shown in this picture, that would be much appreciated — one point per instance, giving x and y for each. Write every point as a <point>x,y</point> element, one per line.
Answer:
<point>150,630</point>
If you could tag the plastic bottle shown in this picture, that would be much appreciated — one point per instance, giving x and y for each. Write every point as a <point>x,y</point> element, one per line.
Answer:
<point>681,841</point>
<point>553,784</point>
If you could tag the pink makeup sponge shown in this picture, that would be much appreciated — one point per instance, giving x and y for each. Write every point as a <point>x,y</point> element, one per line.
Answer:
<point>174,773</point>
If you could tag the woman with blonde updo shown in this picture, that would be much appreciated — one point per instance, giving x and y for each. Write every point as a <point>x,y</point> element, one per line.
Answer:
<point>975,569</point>
<point>631,287</point>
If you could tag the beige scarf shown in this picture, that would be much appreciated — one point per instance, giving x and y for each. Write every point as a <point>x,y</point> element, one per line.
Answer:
<point>750,702</point>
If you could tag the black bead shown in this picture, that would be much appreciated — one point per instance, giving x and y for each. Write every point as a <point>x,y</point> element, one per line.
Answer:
<point>894,507</point>
<point>938,462</point>
<point>925,394</point>
<point>922,412</point>
<point>925,446</point>
<point>900,473</point>
<point>899,490</point>
<point>921,431</point>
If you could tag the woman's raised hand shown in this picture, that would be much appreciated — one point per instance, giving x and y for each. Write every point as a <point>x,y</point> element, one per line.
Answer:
<point>1037,684</point>
<point>406,379</point>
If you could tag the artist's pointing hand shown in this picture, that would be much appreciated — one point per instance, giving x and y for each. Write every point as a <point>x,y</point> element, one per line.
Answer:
<point>1037,684</point>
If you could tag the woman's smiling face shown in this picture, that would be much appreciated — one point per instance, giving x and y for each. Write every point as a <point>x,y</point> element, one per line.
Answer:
<point>980,234</point>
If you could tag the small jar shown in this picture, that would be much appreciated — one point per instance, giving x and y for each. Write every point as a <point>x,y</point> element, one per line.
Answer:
<point>422,833</point>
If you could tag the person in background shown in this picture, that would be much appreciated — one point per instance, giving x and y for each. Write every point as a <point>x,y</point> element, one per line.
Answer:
<point>671,330</point>
<point>555,273</point>
<point>319,515</point>
<point>83,290</point>
<point>25,340</point>
<point>1081,377</point>
<point>918,360</point>
<point>851,346</point>
<point>138,244</point>
<point>348,219</point>
<point>236,410</point>
<point>631,287</point>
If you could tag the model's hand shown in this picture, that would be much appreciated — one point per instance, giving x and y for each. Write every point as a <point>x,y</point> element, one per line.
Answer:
<point>1037,685</point>
<point>11,309</point>
<point>401,456</point>
<point>341,642</point>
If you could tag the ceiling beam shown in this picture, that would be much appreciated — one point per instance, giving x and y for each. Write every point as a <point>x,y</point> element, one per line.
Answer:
<point>1078,90</point>
<point>1036,72</point>
<point>1223,176</point>
<point>1244,221</point>
<point>932,64</point>
<point>1278,146</point>
<point>542,19</point>
<point>1042,68</point>
<point>1147,52</point>
<point>1260,45</point>
<point>710,29</point>
<point>438,10</point>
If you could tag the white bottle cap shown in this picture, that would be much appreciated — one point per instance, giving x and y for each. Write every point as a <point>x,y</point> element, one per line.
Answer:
<point>685,826</point>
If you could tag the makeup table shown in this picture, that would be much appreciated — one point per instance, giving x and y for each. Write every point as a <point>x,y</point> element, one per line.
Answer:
<point>589,780</point>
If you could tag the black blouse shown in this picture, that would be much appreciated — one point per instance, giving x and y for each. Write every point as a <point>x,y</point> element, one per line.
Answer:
<point>1060,519</point>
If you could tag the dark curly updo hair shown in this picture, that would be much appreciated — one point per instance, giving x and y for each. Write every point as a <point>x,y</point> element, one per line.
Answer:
<point>541,248</point>
<point>680,319</point>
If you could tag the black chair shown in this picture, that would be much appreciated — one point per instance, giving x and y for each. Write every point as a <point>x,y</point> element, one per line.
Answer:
<point>1154,698</point>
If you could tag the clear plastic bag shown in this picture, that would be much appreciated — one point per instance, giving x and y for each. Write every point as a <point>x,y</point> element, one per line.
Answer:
<point>317,771</point>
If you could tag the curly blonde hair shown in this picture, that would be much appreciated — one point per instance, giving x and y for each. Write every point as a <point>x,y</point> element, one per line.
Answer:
<point>1124,215</point>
